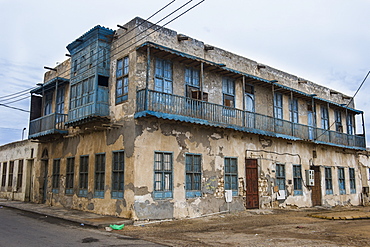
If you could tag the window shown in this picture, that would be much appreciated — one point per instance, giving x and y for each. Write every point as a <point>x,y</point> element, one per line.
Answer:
<point>293,110</point>
<point>280,176</point>
<point>324,117</point>
<point>297,180</point>
<point>3,180</point>
<point>47,103</point>
<point>11,171</point>
<point>231,175</point>
<point>122,80</point>
<point>56,175</point>
<point>350,124</point>
<point>249,106</point>
<point>328,181</point>
<point>84,175</point>
<point>99,175</point>
<point>163,76</point>
<point>70,173</point>
<point>60,105</point>
<point>20,175</point>
<point>338,121</point>
<point>193,175</point>
<point>278,105</point>
<point>191,81</point>
<point>163,175</point>
<point>352,181</point>
<point>341,181</point>
<point>228,90</point>
<point>82,93</point>
<point>118,174</point>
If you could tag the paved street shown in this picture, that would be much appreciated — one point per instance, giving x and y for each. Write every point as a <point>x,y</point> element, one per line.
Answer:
<point>19,228</point>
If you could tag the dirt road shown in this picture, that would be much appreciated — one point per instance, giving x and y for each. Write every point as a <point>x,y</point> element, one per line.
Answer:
<point>260,228</point>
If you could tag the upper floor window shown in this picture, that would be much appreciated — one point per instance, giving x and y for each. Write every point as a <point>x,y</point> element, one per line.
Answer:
<point>324,117</point>
<point>163,76</point>
<point>228,91</point>
<point>122,80</point>
<point>293,110</point>
<point>193,175</point>
<point>350,130</point>
<point>48,103</point>
<point>231,175</point>
<point>192,82</point>
<point>328,181</point>
<point>338,121</point>
<point>163,184</point>
<point>278,105</point>
<point>60,101</point>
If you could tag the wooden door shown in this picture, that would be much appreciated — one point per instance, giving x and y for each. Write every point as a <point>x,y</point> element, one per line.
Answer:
<point>251,181</point>
<point>316,189</point>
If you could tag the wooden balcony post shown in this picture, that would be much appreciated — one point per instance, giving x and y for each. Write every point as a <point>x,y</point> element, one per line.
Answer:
<point>147,78</point>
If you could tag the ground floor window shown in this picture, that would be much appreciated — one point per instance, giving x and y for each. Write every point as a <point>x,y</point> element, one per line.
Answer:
<point>3,179</point>
<point>280,176</point>
<point>328,181</point>
<point>10,175</point>
<point>297,180</point>
<point>341,181</point>
<point>193,175</point>
<point>83,175</point>
<point>20,175</point>
<point>118,174</point>
<point>163,175</point>
<point>352,181</point>
<point>231,174</point>
<point>56,175</point>
<point>70,173</point>
<point>99,175</point>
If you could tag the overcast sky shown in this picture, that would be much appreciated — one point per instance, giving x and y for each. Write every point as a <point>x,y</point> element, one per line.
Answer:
<point>326,42</point>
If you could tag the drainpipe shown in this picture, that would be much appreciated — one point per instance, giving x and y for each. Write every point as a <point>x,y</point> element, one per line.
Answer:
<point>147,78</point>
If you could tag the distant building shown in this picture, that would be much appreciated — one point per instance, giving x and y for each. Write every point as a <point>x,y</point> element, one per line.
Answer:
<point>146,123</point>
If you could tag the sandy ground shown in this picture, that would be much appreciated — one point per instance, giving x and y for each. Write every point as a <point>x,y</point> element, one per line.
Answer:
<point>260,228</point>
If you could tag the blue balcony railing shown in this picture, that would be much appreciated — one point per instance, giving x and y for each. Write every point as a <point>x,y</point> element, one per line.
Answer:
<point>49,124</point>
<point>181,108</point>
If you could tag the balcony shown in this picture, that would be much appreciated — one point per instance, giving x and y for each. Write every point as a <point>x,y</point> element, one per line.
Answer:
<point>48,125</point>
<point>168,106</point>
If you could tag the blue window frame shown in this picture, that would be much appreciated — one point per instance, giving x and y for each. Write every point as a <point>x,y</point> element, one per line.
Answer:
<point>328,181</point>
<point>70,173</point>
<point>293,110</point>
<point>297,180</point>
<point>163,173</point>
<point>83,175</point>
<point>122,80</point>
<point>278,105</point>
<point>228,92</point>
<point>280,176</point>
<point>341,181</point>
<point>338,121</point>
<point>118,168</point>
<point>231,174</point>
<point>163,76</point>
<point>193,175</point>
<point>56,175</point>
<point>48,103</point>
<point>324,117</point>
<point>350,130</point>
<point>99,175</point>
<point>352,180</point>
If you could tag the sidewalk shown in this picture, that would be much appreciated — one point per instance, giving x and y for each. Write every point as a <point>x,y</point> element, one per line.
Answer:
<point>76,216</point>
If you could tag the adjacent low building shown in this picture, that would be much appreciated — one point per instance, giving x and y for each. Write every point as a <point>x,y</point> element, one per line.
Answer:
<point>146,123</point>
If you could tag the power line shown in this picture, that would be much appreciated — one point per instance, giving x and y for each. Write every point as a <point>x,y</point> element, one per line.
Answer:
<point>10,95</point>
<point>15,108</point>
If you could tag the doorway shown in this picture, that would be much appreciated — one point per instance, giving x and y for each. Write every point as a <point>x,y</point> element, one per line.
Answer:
<point>45,166</point>
<point>251,183</point>
<point>316,189</point>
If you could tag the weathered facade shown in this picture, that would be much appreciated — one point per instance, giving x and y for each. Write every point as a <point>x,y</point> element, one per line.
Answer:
<point>146,123</point>
<point>17,170</point>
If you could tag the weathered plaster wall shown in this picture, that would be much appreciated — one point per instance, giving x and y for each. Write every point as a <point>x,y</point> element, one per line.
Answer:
<point>16,151</point>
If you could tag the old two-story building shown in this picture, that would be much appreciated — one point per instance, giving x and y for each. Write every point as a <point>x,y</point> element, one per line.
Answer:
<point>146,123</point>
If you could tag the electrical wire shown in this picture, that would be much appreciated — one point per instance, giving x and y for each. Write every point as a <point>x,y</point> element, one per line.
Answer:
<point>15,108</point>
